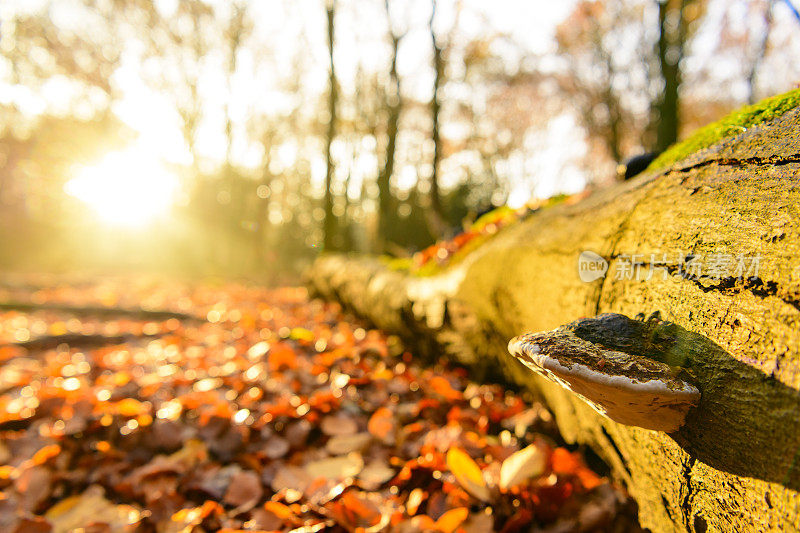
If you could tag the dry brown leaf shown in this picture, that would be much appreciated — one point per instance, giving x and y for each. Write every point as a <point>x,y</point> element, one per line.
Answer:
<point>33,524</point>
<point>244,491</point>
<point>442,386</point>
<point>375,474</point>
<point>478,523</point>
<point>291,477</point>
<point>527,463</point>
<point>338,425</point>
<point>276,447</point>
<point>357,511</point>
<point>281,357</point>
<point>336,468</point>
<point>186,520</point>
<point>33,485</point>
<point>91,507</point>
<point>382,425</point>
<point>344,444</point>
<point>192,453</point>
<point>5,454</point>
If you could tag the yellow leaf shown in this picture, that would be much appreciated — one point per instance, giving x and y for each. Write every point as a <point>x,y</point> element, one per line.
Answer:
<point>77,512</point>
<point>450,520</point>
<point>468,473</point>
<point>131,407</point>
<point>302,334</point>
<point>193,453</point>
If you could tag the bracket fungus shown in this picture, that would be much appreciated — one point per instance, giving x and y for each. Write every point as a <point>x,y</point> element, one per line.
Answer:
<point>628,370</point>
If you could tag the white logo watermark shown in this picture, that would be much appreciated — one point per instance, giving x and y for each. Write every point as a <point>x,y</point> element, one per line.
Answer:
<point>642,267</point>
<point>591,266</point>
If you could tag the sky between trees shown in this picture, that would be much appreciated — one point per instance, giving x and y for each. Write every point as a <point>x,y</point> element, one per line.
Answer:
<point>232,100</point>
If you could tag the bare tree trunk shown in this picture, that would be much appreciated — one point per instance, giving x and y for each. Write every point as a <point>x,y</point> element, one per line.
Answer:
<point>329,225</point>
<point>614,124</point>
<point>759,55</point>
<point>236,30</point>
<point>671,42</point>
<point>612,133</point>
<point>394,104</point>
<point>435,219</point>
<point>258,235</point>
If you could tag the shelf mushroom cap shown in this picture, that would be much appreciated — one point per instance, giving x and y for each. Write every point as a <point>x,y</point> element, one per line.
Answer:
<point>631,389</point>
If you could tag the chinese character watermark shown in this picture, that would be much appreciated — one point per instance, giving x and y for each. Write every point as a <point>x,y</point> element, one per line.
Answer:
<point>644,267</point>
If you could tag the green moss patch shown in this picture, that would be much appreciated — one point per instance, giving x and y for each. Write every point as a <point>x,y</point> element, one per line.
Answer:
<point>733,124</point>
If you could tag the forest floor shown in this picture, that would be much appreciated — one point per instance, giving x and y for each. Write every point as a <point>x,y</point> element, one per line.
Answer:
<point>133,405</point>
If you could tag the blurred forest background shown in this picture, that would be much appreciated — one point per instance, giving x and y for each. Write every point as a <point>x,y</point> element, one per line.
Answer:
<point>242,137</point>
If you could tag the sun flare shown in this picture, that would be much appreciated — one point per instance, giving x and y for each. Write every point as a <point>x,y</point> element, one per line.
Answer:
<point>125,188</point>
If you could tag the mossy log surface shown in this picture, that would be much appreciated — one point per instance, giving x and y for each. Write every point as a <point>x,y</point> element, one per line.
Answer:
<point>735,464</point>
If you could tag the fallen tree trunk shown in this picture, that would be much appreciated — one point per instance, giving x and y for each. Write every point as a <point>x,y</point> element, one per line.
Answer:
<point>733,208</point>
